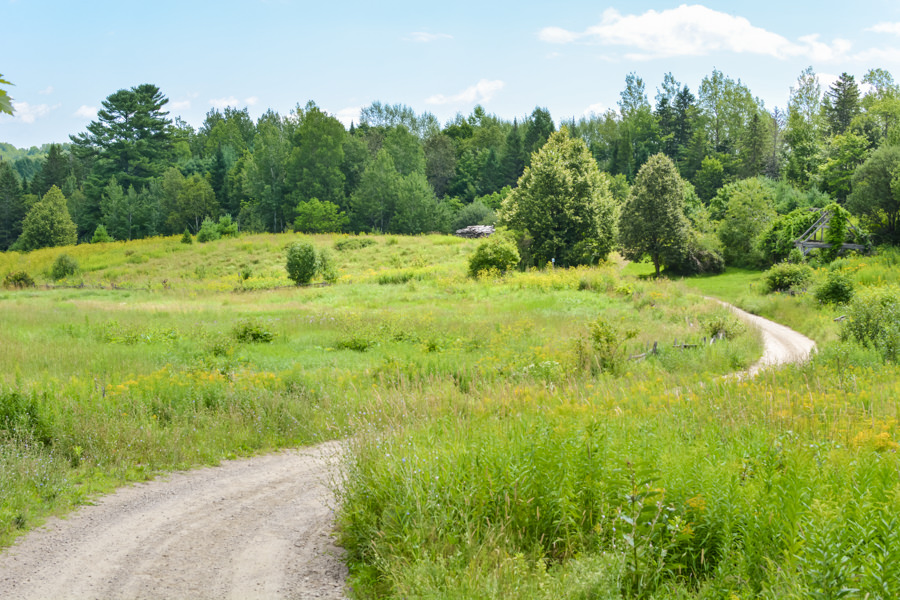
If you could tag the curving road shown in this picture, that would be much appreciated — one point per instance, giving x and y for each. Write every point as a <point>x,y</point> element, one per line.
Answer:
<point>256,528</point>
<point>781,345</point>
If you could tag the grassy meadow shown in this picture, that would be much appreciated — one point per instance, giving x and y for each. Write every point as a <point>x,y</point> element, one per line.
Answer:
<point>503,442</point>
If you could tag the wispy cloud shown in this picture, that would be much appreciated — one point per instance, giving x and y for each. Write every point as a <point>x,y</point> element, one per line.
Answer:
<point>482,91</point>
<point>29,113</point>
<point>86,112</point>
<point>424,37</point>
<point>885,27</point>
<point>46,91</point>
<point>180,105</point>
<point>349,115</point>
<point>692,30</point>
<point>222,103</point>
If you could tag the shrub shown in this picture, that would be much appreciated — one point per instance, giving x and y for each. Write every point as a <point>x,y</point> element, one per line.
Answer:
<point>252,332</point>
<point>354,243</point>
<point>186,237</point>
<point>722,323</point>
<point>18,280</point>
<point>496,253</point>
<point>64,266</point>
<point>786,276</point>
<point>836,289</point>
<point>101,235</point>
<point>209,231</point>
<point>302,262</point>
<point>608,344</point>
<point>874,320</point>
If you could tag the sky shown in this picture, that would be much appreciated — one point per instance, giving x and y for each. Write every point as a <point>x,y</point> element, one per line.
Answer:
<point>570,56</point>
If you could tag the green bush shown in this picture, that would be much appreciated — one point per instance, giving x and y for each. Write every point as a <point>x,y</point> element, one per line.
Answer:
<point>186,237</point>
<point>302,262</point>
<point>874,320</point>
<point>64,266</point>
<point>494,254</point>
<point>353,243</point>
<point>836,289</point>
<point>18,280</point>
<point>209,231</point>
<point>250,331</point>
<point>787,277</point>
<point>722,323</point>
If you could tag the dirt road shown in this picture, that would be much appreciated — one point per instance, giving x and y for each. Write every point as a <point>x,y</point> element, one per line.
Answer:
<point>781,345</point>
<point>257,528</point>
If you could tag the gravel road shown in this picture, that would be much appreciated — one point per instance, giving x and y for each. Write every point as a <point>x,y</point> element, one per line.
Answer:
<point>256,528</point>
<point>781,344</point>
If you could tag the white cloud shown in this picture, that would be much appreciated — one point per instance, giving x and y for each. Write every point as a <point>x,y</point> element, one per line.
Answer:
<point>86,112</point>
<point>46,91</point>
<point>180,105</point>
<point>28,113</point>
<point>349,115</point>
<point>692,30</point>
<point>885,27</point>
<point>423,37</point>
<point>251,101</point>
<point>878,56</point>
<point>595,109</point>
<point>482,91</point>
<point>222,103</point>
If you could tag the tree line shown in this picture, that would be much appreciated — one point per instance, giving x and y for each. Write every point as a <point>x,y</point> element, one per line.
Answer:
<point>138,172</point>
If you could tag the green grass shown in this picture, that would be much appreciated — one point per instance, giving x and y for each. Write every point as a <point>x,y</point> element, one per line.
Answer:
<point>498,449</point>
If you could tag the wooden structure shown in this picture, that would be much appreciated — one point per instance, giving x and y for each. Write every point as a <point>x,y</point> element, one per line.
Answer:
<point>814,237</point>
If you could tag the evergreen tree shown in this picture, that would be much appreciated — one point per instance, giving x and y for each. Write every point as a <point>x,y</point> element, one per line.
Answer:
<point>841,104</point>
<point>54,171</point>
<point>537,131</point>
<point>513,162</point>
<point>12,206</point>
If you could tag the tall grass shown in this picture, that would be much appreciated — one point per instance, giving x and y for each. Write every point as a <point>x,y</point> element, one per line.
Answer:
<point>103,386</point>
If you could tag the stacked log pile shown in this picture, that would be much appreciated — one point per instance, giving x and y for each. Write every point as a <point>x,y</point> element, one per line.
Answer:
<point>475,231</point>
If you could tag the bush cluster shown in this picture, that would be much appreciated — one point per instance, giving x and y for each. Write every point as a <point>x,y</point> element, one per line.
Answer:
<point>64,266</point>
<point>874,320</point>
<point>304,263</point>
<point>494,254</point>
<point>785,277</point>
<point>836,289</point>
<point>18,280</point>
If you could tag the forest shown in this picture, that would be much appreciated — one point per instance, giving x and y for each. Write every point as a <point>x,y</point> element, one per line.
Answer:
<point>750,173</point>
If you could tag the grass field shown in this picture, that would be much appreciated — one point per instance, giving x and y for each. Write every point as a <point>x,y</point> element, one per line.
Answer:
<point>502,445</point>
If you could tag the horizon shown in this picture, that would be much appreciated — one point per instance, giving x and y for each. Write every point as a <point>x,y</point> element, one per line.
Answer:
<point>508,58</point>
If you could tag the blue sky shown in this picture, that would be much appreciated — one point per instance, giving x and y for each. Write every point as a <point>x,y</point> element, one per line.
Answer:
<point>65,57</point>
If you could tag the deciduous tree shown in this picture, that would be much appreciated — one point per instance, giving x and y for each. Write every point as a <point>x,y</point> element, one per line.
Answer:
<point>652,221</point>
